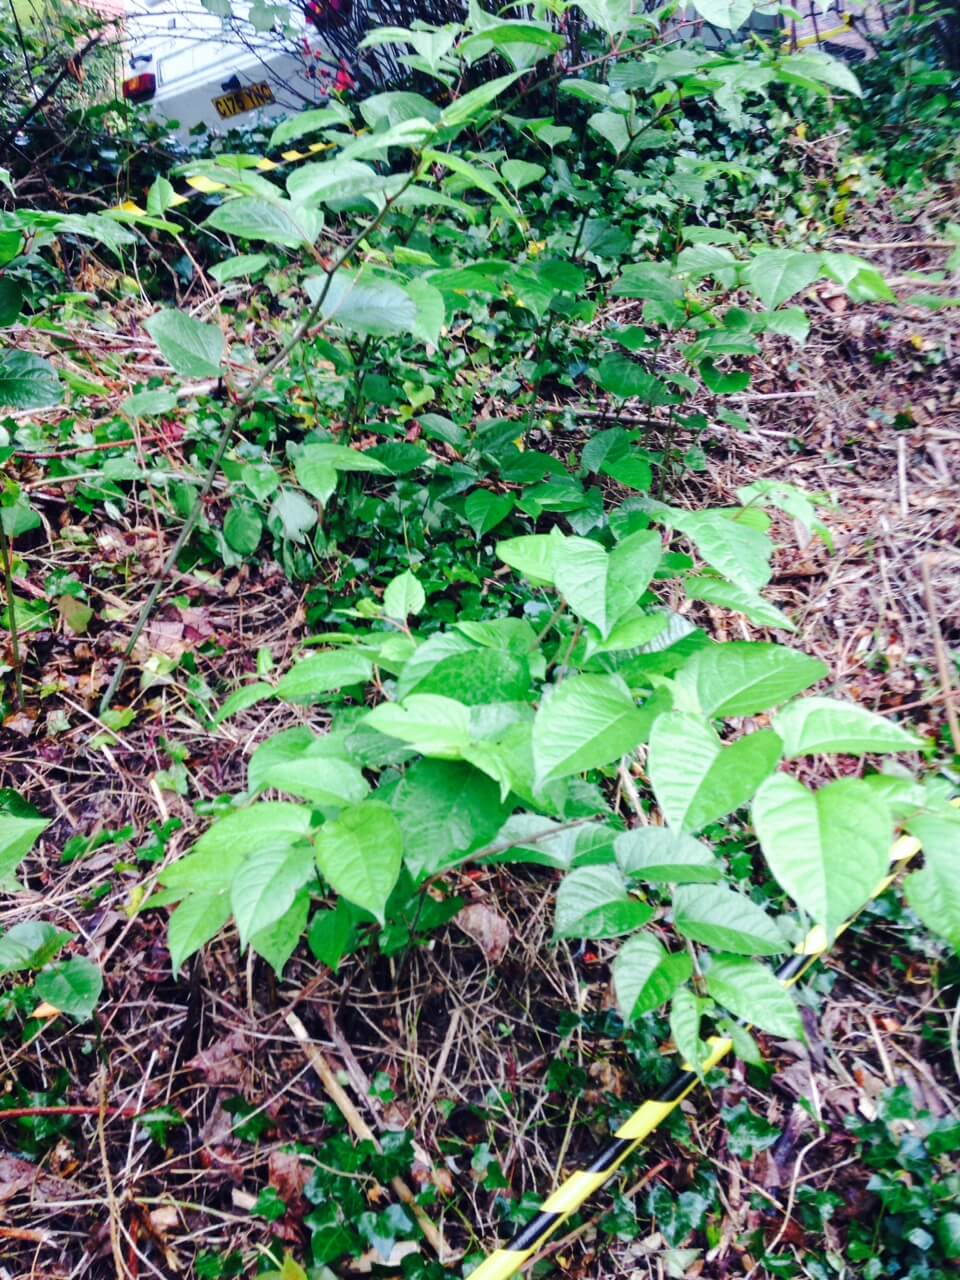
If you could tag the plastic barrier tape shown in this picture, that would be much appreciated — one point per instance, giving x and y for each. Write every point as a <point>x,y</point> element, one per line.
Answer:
<point>581,1185</point>
<point>201,185</point>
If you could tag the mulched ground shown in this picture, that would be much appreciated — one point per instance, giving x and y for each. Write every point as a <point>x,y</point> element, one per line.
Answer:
<point>869,413</point>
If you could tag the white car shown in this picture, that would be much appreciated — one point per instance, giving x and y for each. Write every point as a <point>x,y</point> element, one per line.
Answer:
<point>195,68</point>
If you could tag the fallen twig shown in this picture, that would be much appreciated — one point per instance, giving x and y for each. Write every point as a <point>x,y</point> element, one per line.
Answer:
<point>943,661</point>
<point>339,1097</point>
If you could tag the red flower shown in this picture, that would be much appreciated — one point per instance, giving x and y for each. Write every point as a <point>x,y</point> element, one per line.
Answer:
<point>344,80</point>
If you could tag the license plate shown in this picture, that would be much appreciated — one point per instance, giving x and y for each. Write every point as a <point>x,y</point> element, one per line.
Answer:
<point>249,98</point>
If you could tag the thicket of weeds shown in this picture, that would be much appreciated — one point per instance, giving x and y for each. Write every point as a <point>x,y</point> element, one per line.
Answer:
<point>548,494</point>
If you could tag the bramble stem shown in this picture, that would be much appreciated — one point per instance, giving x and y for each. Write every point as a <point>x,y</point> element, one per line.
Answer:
<point>240,410</point>
<point>7,552</point>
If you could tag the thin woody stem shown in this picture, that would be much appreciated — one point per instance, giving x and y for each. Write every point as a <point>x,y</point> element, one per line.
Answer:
<point>235,418</point>
<point>7,553</point>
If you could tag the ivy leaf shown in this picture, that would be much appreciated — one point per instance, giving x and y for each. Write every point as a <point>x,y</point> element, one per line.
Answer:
<point>311,679</point>
<point>588,721</point>
<point>192,349</point>
<point>658,855</point>
<point>28,381</point>
<point>829,848</point>
<point>697,779</point>
<point>719,917</point>
<point>265,886</point>
<point>739,678</point>
<point>194,922</point>
<point>645,975</point>
<point>593,902</point>
<point>360,855</point>
<point>751,992</point>
<point>435,725</point>
<point>72,986</point>
<point>601,586</point>
<point>812,725</point>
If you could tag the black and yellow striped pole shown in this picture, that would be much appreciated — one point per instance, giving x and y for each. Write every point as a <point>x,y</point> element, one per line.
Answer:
<point>581,1185</point>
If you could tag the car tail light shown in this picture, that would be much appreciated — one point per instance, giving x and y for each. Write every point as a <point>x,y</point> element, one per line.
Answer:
<point>328,13</point>
<point>140,88</point>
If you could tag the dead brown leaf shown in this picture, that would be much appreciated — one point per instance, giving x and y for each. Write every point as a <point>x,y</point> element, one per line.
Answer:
<point>18,1175</point>
<point>287,1173</point>
<point>487,928</point>
<point>225,1062</point>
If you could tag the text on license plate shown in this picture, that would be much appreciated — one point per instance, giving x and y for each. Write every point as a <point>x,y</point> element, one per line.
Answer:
<point>249,98</point>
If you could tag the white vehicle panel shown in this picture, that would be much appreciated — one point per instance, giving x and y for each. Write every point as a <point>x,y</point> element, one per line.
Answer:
<point>197,58</point>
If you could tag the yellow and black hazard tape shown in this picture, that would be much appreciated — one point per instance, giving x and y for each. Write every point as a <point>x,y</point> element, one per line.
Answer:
<point>581,1185</point>
<point>821,37</point>
<point>200,184</point>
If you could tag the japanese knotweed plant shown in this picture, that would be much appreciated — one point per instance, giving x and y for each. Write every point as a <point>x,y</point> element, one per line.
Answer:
<point>593,730</point>
<point>598,733</point>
